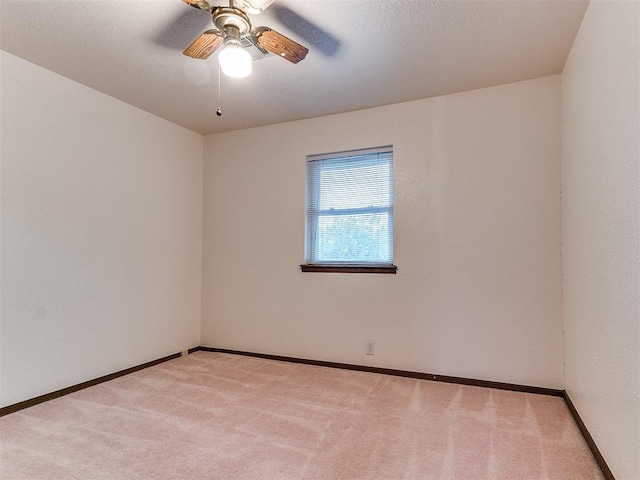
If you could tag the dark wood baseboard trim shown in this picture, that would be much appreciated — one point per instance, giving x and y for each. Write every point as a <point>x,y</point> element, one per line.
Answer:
<point>89,383</point>
<point>397,373</point>
<point>606,471</point>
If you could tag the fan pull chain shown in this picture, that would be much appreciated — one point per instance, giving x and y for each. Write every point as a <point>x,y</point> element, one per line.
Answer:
<point>219,110</point>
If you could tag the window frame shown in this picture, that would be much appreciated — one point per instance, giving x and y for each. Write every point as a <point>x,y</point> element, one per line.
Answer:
<point>311,224</point>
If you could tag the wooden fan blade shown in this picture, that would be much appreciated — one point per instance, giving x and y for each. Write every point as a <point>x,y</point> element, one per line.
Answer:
<point>203,46</point>
<point>201,4</point>
<point>278,44</point>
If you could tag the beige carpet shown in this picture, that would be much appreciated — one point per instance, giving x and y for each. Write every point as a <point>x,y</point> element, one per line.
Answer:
<point>220,416</point>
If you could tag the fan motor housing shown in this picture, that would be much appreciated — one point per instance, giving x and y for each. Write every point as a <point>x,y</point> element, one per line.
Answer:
<point>224,17</point>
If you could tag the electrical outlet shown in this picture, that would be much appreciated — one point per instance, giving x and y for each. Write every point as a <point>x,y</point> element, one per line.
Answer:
<point>184,353</point>
<point>370,348</point>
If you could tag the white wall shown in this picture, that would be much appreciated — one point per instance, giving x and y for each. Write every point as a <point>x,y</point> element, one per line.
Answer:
<point>478,290</point>
<point>101,234</point>
<point>601,247</point>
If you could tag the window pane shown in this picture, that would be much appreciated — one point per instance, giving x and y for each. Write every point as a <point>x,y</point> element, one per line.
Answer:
<point>353,238</point>
<point>350,207</point>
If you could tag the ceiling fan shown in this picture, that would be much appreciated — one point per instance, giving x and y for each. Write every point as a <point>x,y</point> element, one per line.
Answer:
<point>232,25</point>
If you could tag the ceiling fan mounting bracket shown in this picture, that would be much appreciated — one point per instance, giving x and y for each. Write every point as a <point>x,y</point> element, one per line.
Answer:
<point>224,17</point>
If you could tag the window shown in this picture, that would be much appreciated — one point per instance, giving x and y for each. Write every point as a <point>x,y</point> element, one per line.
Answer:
<point>350,211</point>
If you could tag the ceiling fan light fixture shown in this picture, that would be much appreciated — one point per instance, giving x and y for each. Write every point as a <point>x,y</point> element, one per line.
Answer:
<point>232,26</point>
<point>234,61</point>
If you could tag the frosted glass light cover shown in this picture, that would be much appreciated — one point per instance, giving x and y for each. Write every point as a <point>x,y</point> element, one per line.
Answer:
<point>234,61</point>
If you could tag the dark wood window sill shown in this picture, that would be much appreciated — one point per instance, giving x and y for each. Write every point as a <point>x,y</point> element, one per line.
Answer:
<point>349,268</point>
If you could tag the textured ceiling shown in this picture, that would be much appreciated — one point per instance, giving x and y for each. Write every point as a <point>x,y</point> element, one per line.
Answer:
<point>363,53</point>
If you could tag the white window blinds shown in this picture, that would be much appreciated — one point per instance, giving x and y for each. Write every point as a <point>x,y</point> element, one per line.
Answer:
<point>350,207</point>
